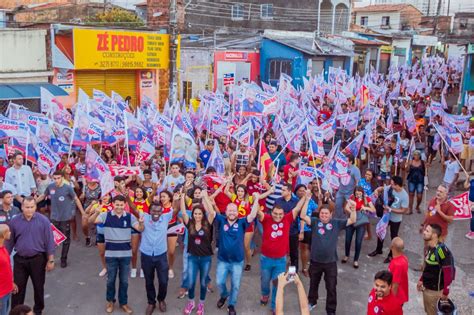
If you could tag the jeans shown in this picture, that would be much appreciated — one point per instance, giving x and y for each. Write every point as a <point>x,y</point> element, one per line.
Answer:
<point>418,187</point>
<point>359,232</point>
<point>185,277</point>
<point>201,264</point>
<point>394,227</point>
<point>34,268</point>
<point>235,271</point>
<point>120,265</point>
<point>65,228</point>
<point>341,197</point>
<point>150,264</point>
<point>5,304</point>
<point>316,271</point>
<point>270,268</point>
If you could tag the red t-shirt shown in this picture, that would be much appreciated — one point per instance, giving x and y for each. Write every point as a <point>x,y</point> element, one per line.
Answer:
<point>389,305</point>
<point>399,268</point>
<point>433,217</point>
<point>258,188</point>
<point>6,274</point>
<point>221,199</point>
<point>276,236</point>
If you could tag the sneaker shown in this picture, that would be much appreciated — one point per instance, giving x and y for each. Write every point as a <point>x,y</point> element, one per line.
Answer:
<point>374,253</point>
<point>133,273</point>
<point>264,300</point>
<point>142,275</point>
<point>88,241</point>
<point>387,260</point>
<point>189,308</point>
<point>248,268</point>
<point>170,273</point>
<point>470,235</point>
<point>200,309</point>
<point>103,272</point>
<point>221,302</point>
<point>311,307</point>
<point>231,310</point>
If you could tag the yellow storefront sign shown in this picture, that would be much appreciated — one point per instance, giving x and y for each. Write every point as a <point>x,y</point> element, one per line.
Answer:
<point>386,49</point>
<point>110,49</point>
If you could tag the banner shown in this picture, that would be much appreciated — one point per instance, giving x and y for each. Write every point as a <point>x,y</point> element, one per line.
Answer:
<point>12,128</point>
<point>183,148</point>
<point>121,170</point>
<point>462,207</point>
<point>47,159</point>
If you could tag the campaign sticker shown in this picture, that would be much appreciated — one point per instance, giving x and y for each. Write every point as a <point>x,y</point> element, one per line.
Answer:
<point>197,241</point>
<point>275,227</point>
<point>226,227</point>
<point>201,233</point>
<point>370,298</point>
<point>61,198</point>
<point>52,191</point>
<point>321,231</point>
<point>280,225</point>
<point>329,226</point>
<point>236,225</point>
<point>274,234</point>
<point>280,233</point>
<point>320,224</point>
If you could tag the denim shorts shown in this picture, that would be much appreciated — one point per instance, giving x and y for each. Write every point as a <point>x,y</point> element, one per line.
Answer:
<point>415,186</point>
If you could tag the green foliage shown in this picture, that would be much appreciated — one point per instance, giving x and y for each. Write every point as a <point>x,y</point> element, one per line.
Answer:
<point>117,17</point>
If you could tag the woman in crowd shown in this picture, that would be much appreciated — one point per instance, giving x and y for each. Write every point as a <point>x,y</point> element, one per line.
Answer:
<point>416,181</point>
<point>363,205</point>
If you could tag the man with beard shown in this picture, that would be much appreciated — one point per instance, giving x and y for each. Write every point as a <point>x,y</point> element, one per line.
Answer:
<point>381,298</point>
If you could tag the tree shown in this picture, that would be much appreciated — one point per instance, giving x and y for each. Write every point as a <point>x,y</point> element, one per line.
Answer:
<point>117,17</point>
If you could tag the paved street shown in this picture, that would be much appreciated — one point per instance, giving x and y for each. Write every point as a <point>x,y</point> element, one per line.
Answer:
<point>78,290</point>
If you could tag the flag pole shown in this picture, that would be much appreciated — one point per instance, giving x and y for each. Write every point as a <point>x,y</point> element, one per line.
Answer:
<point>312,155</point>
<point>450,150</point>
<point>126,137</point>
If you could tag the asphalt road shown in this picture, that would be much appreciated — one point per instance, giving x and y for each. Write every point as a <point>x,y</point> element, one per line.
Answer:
<point>79,290</point>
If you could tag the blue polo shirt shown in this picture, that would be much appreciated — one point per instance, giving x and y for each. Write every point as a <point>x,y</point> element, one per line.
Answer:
<point>154,236</point>
<point>231,239</point>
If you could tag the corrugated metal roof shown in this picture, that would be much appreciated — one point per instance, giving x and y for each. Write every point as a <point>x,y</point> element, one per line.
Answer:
<point>383,8</point>
<point>312,46</point>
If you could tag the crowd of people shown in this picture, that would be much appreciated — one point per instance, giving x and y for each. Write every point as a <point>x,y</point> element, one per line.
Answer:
<point>246,196</point>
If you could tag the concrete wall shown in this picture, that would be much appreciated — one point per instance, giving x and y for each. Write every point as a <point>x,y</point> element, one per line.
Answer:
<point>375,19</point>
<point>463,30</point>
<point>401,43</point>
<point>455,51</point>
<point>22,50</point>
<point>196,67</point>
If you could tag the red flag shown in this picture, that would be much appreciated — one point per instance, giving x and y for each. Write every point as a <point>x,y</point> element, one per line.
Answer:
<point>364,96</point>
<point>461,204</point>
<point>265,162</point>
<point>59,237</point>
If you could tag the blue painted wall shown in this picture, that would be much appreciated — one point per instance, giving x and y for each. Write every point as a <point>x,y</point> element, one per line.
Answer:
<point>273,50</point>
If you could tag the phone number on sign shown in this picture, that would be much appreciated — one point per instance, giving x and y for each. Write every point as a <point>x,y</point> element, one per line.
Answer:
<point>121,64</point>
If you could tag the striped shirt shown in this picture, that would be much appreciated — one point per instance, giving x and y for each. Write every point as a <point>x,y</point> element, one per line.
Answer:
<point>270,201</point>
<point>118,233</point>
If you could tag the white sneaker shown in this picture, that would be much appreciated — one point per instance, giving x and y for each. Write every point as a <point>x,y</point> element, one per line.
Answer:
<point>103,272</point>
<point>133,273</point>
<point>142,275</point>
<point>470,236</point>
<point>171,274</point>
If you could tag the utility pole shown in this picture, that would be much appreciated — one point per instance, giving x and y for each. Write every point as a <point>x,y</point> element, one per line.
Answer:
<point>173,85</point>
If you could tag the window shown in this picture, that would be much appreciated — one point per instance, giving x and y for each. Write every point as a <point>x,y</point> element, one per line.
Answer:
<point>364,20</point>
<point>277,67</point>
<point>385,21</point>
<point>462,24</point>
<point>266,11</point>
<point>237,12</point>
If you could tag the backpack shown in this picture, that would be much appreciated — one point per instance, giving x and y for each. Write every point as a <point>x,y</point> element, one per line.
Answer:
<point>450,257</point>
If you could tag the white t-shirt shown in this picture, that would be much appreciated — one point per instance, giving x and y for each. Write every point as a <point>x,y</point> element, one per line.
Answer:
<point>171,182</point>
<point>452,168</point>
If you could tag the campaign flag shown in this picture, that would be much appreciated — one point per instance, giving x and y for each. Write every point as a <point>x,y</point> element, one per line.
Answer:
<point>161,129</point>
<point>145,150</point>
<point>349,121</point>
<point>316,141</point>
<point>454,141</point>
<point>381,228</point>
<point>183,148</point>
<point>244,135</point>
<point>409,118</point>
<point>265,163</point>
<point>251,105</point>
<point>354,146</point>
<point>176,229</point>
<point>216,160</point>
<point>58,236</point>
<point>306,174</point>
<point>134,128</point>
<point>95,166</point>
<point>340,165</point>
<point>47,159</point>
<point>46,98</point>
<point>364,96</point>
<point>462,207</point>
<point>12,128</point>
<point>328,128</point>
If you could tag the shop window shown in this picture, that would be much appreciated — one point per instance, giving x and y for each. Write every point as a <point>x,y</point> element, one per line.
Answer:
<point>364,20</point>
<point>385,21</point>
<point>266,11</point>
<point>463,24</point>
<point>277,67</point>
<point>237,12</point>
<point>187,91</point>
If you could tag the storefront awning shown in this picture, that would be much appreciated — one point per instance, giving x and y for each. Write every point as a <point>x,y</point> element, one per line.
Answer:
<point>16,91</point>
